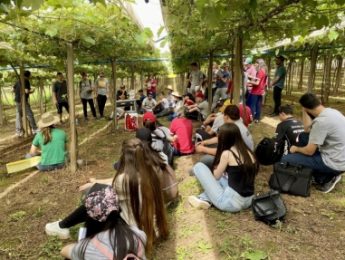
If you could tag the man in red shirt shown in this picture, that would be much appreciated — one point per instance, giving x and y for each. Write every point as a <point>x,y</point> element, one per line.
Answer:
<point>182,129</point>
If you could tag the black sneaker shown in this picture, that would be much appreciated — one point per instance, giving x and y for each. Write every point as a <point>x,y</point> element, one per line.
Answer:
<point>329,186</point>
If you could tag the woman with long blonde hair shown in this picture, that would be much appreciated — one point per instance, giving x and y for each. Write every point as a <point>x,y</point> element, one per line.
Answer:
<point>139,192</point>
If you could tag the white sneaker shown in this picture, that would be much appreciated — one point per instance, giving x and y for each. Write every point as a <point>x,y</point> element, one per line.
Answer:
<point>53,229</point>
<point>198,203</point>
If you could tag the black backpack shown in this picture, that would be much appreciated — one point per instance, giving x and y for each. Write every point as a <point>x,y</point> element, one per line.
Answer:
<point>265,152</point>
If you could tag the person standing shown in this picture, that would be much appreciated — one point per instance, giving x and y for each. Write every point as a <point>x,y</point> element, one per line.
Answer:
<point>152,86</point>
<point>102,90</point>
<point>222,81</point>
<point>60,97</point>
<point>196,77</point>
<point>85,88</point>
<point>250,73</point>
<point>278,84</point>
<point>19,112</point>
<point>258,89</point>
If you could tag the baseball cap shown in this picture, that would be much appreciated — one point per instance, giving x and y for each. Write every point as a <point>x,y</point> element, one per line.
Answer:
<point>149,116</point>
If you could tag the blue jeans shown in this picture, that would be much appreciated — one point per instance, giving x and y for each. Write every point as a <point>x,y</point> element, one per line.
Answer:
<point>46,168</point>
<point>218,192</point>
<point>322,173</point>
<point>255,105</point>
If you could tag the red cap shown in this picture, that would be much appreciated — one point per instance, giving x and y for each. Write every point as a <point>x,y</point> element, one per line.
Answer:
<point>199,95</point>
<point>149,116</point>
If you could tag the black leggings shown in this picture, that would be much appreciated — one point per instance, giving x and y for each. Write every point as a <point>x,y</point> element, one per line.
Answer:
<point>101,100</point>
<point>80,215</point>
<point>92,106</point>
<point>277,97</point>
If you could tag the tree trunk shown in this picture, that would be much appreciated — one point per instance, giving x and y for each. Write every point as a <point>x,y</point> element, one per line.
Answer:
<point>338,75</point>
<point>132,79</point>
<point>209,79</point>
<point>238,65</point>
<point>41,86</point>
<point>288,79</point>
<point>1,107</point>
<point>70,83</point>
<point>113,69</point>
<point>327,85</point>
<point>141,80</point>
<point>23,101</point>
<point>313,60</point>
<point>301,72</point>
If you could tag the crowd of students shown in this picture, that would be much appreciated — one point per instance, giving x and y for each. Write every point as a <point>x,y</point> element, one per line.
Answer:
<point>126,215</point>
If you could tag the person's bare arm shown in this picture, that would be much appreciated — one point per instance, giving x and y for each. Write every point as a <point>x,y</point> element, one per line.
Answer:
<point>275,80</point>
<point>66,251</point>
<point>34,150</point>
<point>307,121</point>
<point>221,167</point>
<point>204,149</point>
<point>309,149</point>
<point>210,141</point>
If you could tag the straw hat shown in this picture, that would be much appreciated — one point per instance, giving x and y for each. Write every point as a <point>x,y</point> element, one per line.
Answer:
<point>47,119</point>
<point>170,88</point>
<point>176,94</point>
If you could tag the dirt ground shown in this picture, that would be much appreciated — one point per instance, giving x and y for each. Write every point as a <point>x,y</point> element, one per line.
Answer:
<point>314,226</point>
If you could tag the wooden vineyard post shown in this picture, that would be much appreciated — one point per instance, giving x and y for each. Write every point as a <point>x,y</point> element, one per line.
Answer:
<point>41,96</point>
<point>337,82</point>
<point>113,68</point>
<point>237,85</point>
<point>141,80</point>
<point>133,79</point>
<point>301,72</point>
<point>312,68</point>
<point>23,101</point>
<point>1,106</point>
<point>70,84</point>
<point>209,83</point>
<point>327,85</point>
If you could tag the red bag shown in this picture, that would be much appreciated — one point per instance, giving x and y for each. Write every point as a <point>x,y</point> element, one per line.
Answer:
<point>131,121</point>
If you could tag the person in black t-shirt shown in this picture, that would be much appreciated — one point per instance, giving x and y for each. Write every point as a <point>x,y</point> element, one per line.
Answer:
<point>60,97</point>
<point>287,131</point>
<point>17,98</point>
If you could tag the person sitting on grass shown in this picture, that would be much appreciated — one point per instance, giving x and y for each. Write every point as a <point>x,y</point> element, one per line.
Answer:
<point>161,136</point>
<point>50,143</point>
<point>287,131</point>
<point>208,147</point>
<point>178,105</point>
<point>112,238</point>
<point>230,186</point>
<point>140,196</point>
<point>169,103</point>
<point>165,171</point>
<point>322,147</point>
<point>182,131</point>
<point>200,108</point>
<point>148,103</point>
<point>140,100</point>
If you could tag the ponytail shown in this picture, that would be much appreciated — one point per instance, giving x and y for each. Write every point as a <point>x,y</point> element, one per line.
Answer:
<point>46,132</point>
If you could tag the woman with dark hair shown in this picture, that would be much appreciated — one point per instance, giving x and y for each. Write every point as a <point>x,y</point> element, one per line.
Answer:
<point>231,185</point>
<point>113,239</point>
<point>164,171</point>
<point>140,196</point>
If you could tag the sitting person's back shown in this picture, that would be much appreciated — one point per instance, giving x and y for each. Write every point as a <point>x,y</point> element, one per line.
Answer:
<point>182,129</point>
<point>287,131</point>
<point>50,142</point>
<point>323,150</point>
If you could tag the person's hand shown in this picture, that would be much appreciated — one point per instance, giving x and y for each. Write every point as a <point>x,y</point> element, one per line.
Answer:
<point>174,138</point>
<point>293,149</point>
<point>86,186</point>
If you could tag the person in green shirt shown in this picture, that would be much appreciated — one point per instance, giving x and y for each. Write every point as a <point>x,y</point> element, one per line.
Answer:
<point>50,142</point>
<point>278,84</point>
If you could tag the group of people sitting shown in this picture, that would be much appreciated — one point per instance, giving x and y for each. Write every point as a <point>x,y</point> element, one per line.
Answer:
<point>126,215</point>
